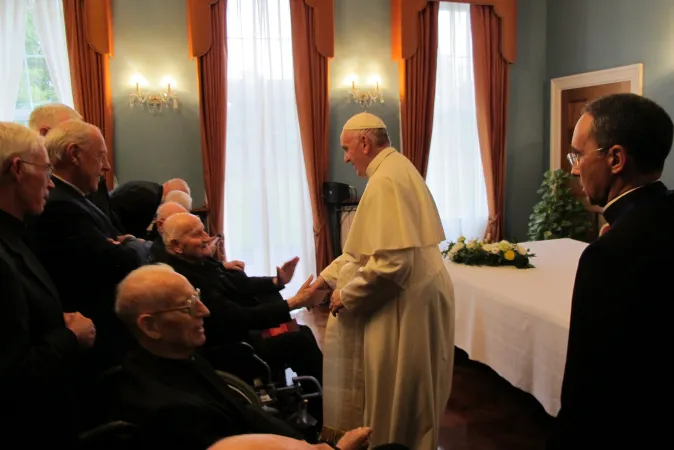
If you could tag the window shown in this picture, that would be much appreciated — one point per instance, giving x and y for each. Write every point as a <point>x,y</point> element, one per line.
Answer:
<point>36,84</point>
<point>455,176</point>
<point>268,217</point>
<point>44,73</point>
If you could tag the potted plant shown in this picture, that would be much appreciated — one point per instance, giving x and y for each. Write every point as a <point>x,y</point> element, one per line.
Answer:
<point>559,214</point>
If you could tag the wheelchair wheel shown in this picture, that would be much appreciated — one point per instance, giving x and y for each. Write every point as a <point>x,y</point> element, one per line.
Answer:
<point>240,387</point>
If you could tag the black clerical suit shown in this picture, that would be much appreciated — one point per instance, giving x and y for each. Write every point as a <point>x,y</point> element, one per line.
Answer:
<point>240,307</point>
<point>617,388</point>
<point>38,354</point>
<point>184,404</point>
<point>101,198</point>
<point>135,204</point>
<point>72,236</point>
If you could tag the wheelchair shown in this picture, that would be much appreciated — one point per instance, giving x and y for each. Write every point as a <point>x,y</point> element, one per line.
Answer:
<point>287,401</point>
<point>268,390</point>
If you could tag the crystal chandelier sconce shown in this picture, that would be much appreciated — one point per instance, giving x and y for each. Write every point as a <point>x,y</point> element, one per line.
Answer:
<point>365,98</point>
<point>154,103</point>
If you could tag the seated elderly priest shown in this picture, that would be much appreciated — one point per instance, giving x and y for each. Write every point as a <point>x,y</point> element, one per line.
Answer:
<point>243,307</point>
<point>165,210</point>
<point>176,398</point>
<point>40,346</point>
<point>83,252</point>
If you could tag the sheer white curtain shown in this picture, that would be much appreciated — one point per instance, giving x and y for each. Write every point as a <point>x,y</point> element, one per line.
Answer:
<point>455,175</point>
<point>267,207</point>
<point>51,31</point>
<point>12,51</point>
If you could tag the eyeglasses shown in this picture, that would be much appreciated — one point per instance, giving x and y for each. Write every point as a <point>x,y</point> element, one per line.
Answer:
<point>575,157</point>
<point>48,168</point>
<point>190,307</point>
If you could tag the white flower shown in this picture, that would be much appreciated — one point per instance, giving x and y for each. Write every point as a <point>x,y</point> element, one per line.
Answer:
<point>505,246</point>
<point>471,244</point>
<point>461,239</point>
<point>521,250</point>
<point>496,250</point>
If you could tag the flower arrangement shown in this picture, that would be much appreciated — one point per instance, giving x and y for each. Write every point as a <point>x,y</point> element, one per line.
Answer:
<point>483,253</point>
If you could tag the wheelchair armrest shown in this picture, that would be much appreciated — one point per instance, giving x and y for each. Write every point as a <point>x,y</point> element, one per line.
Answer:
<point>259,360</point>
<point>273,411</point>
<point>310,380</point>
<point>106,431</point>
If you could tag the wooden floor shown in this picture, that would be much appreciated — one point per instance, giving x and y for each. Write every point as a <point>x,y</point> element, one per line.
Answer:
<point>484,411</point>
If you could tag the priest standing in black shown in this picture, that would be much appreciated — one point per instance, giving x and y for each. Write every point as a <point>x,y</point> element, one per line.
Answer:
<point>618,370</point>
<point>40,346</point>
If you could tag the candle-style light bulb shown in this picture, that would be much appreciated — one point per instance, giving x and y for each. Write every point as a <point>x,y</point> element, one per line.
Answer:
<point>169,89</point>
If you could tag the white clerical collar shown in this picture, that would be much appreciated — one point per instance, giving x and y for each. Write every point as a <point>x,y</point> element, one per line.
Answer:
<point>376,162</point>
<point>78,190</point>
<point>625,193</point>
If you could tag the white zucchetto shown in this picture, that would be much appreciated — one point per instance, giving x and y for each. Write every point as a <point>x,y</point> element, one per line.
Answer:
<point>364,121</point>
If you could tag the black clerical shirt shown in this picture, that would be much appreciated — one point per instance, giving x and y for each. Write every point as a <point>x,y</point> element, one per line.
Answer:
<point>185,404</point>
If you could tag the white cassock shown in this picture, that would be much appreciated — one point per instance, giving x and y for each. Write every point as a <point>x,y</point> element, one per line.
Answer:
<point>389,355</point>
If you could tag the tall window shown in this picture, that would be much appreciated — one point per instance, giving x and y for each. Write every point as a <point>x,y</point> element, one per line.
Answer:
<point>267,207</point>
<point>43,75</point>
<point>455,175</point>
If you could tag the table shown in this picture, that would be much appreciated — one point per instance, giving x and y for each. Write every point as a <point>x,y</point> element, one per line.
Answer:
<point>516,321</point>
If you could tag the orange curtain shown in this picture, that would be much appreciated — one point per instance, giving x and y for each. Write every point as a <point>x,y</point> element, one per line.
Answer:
<point>89,36</point>
<point>491,100</point>
<point>207,22</point>
<point>494,31</point>
<point>313,46</point>
<point>417,90</point>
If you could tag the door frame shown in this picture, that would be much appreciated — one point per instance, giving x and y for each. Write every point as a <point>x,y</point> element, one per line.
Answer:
<point>633,73</point>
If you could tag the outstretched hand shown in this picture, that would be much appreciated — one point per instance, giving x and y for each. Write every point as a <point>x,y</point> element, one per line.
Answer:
<point>284,274</point>
<point>319,285</point>
<point>355,439</point>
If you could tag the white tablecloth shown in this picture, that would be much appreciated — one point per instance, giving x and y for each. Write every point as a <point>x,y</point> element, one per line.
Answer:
<point>517,321</point>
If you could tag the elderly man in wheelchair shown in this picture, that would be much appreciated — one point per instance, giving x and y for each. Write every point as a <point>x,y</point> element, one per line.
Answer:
<point>243,308</point>
<point>171,394</point>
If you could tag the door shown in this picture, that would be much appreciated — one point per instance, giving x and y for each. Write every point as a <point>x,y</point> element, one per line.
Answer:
<point>573,101</point>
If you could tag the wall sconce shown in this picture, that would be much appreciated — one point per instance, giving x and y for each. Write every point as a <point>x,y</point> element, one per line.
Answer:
<point>153,102</point>
<point>365,98</point>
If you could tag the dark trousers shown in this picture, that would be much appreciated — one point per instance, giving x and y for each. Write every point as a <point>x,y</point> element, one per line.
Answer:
<point>299,351</point>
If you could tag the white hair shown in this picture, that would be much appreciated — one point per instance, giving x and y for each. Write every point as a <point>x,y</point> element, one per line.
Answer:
<point>142,289</point>
<point>17,140</point>
<point>179,197</point>
<point>378,136</point>
<point>175,227</point>
<point>50,115</point>
<point>67,133</point>
<point>177,184</point>
<point>167,209</point>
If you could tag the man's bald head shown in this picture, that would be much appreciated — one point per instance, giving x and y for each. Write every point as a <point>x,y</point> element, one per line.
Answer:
<point>259,441</point>
<point>184,236</point>
<point>177,184</point>
<point>165,211</point>
<point>43,118</point>
<point>180,197</point>
<point>148,288</point>
<point>168,209</point>
<point>179,224</point>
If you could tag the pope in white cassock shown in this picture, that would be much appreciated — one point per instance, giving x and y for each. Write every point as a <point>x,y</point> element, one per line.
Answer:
<point>389,344</point>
